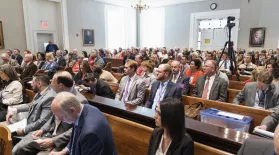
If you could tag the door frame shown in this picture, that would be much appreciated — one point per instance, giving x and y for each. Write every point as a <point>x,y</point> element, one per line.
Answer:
<point>35,36</point>
<point>194,23</point>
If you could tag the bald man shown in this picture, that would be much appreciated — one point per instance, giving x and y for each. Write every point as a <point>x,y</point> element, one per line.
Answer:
<point>163,88</point>
<point>63,81</point>
<point>91,133</point>
<point>179,78</point>
<point>29,69</point>
<point>210,86</point>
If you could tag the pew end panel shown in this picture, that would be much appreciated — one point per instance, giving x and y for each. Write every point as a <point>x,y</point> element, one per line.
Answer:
<point>5,140</point>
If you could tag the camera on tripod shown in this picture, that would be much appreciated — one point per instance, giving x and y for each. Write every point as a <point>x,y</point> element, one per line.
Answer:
<point>229,22</point>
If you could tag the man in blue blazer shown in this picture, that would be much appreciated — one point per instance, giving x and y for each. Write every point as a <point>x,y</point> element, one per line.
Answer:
<point>163,88</point>
<point>91,132</point>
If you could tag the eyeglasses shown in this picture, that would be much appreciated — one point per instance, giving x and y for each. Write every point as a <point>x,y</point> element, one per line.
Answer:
<point>208,66</point>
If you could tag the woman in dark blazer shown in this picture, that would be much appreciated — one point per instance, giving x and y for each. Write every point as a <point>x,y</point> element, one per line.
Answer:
<point>170,138</point>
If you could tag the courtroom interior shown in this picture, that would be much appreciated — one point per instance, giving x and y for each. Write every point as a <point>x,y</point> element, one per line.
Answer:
<point>139,77</point>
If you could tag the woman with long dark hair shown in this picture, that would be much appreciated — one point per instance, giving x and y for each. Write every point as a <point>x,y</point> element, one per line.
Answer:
<point>12,92</point>
<point>170,138</point>
<point>84,68</point>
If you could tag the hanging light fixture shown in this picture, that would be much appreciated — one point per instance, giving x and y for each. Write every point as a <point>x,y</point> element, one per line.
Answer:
<point>140,6</point>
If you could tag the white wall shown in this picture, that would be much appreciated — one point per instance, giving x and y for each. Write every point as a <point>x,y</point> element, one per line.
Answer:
<point>43,10</point>
<point>11,15</point>
<point>257,13</point>
<point>86,14</point>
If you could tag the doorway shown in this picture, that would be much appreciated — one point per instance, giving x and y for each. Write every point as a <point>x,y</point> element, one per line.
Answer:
<point>42,41</point>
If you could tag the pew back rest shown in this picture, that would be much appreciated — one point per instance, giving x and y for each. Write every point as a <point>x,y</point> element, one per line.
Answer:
<point>257,114</point>
<point>118,76</point>
<point>132,138</point>
<point>113,87</point>
<point>5,141</point>
<point>232,93</point>
<point>238,85</point>
<point>30,94</point>
<point>115,62</point>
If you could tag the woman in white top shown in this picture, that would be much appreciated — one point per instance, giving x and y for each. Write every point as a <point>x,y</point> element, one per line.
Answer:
<point>12,92</point>
<point>170,138</point>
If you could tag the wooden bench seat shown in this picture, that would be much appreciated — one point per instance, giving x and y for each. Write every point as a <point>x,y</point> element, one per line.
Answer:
<point>257,114</point>
<point>115,62</point>
<point>133,138</point>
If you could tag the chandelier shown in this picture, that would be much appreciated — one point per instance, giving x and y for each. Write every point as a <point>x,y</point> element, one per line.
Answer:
<point>140,7</point>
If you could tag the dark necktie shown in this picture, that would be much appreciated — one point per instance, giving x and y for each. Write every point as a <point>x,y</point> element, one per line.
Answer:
<point>261,99</point>
<point>38,96</point>
<point>225,65</point>
<point>74,138</point>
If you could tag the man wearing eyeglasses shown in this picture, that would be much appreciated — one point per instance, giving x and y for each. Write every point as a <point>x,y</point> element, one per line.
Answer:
<point>163,88</point>
<point>261,94</point>
<point>210,86</point>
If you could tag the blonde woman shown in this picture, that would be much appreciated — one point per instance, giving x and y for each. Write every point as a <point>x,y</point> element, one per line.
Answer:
<point>50,65</point>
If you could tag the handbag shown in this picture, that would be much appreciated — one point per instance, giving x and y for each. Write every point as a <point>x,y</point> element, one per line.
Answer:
<point>193,110</point>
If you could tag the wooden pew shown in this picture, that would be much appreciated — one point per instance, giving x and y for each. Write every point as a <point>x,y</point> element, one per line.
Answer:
<point>113,87</point>
<point>214,136</point>
<point>132,138</point>
<point>232,93</point>
<point>238,85</point>
<point>30,94</point>
<point>241,78</point>
<point>115,62</point>
<point>257,114</point>
<point>118,76</point>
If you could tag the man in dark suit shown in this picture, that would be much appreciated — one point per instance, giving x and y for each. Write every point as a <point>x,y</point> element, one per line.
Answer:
<point>210,86</point>
<point>91,133</point>
<point>61,61</point>
<point>163,88</point>
<point>29,69</point>
<point>260,94</point>
<point>96,86</point>
<point>179,78</point>
<point>17,56</point>
<point>51,47</point>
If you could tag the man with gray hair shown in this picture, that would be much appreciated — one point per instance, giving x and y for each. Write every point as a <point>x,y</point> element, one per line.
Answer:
<point>97,59</point>
<point>29,69</point>
<point>61,61</point>
<point>91,132</point>
<point>6,59</point>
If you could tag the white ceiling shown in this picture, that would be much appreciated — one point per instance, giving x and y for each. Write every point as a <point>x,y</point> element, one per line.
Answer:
<point>151,3</point>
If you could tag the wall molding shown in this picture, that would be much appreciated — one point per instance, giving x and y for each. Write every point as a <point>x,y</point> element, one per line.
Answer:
<point>29,31</point>
<point>194,23</point>
<point>151,3</point>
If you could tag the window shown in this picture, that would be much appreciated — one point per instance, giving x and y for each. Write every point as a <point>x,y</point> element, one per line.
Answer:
<point>152,27</point>
<point>120,26</point>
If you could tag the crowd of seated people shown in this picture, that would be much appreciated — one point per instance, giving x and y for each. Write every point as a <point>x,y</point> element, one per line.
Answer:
<point>167,73</point>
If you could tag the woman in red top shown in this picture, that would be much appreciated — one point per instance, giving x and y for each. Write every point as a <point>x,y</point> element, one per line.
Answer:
<point>194,71</point>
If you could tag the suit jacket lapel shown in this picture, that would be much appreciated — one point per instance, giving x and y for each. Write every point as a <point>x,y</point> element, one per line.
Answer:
<point>169,85</point>
<point>133,83</point>
<point>214,84</point>
<point>269,94</point>
<point>35,102</point>
<point>125,79</point>
<point>202,86</point>
<point>172,148</point>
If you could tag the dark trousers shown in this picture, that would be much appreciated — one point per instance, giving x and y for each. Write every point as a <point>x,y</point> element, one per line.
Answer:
<point>3,113</point>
